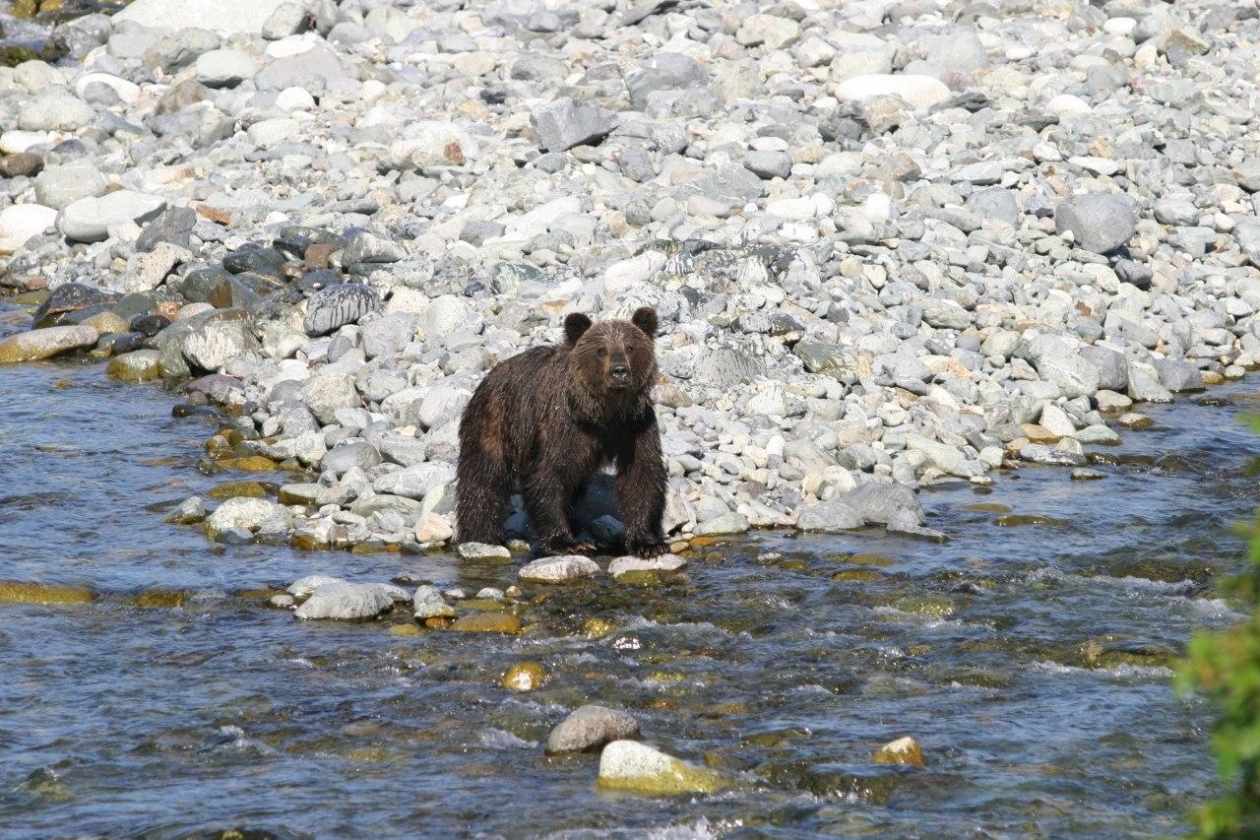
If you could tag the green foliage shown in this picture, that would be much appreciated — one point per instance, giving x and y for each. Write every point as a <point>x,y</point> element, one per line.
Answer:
<point>1225,667</point>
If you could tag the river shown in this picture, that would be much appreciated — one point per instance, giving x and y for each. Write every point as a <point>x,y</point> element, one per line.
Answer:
<point>1030,661</point>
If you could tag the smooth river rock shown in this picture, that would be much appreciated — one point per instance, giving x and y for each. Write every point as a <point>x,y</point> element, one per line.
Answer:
<point>590,727</point>
<point>637,768</point>
<point>44,344</point>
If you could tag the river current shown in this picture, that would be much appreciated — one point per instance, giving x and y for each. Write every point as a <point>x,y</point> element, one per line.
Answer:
<point>1029,655</point>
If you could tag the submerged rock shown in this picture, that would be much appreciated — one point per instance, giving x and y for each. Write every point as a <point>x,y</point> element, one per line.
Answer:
<point>350,601</point>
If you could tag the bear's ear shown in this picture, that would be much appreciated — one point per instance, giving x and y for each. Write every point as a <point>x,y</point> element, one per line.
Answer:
<point>645,319</point>
<point>575,326</point>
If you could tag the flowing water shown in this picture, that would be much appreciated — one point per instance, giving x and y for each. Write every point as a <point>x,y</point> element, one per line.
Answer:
<point>1029,660</point>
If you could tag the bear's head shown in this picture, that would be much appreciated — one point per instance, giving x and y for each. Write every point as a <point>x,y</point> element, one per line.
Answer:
<point>614,358</point>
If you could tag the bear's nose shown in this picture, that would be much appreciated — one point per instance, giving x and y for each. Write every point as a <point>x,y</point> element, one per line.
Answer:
<point>620,370</point>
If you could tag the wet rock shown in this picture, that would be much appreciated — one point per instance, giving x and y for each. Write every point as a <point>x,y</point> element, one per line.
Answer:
<point>525,676</point>
<point>590,727</point>
<point>429,603</point>
<point>483,551</point>
<point>829,517</point>
<point>137,366</point>
<point>44,344</point>
<point>1051,455</point>
<point>21,592</point>
<point>880,502</point>
<point>901,751</point>
<point>630,563</point>
<point>190,512</point>
<point>303,587</point>
<point>348,601</point>
<point>488,622</point>
<point>247,513</point>
<point>637,768</point>
<point>558,569</point>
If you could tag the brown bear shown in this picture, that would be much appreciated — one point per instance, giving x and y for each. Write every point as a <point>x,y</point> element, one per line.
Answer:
<point>548,419</point>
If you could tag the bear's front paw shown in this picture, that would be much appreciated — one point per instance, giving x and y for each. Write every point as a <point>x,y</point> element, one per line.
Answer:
<point>569,546</point>
<point>648,550</point>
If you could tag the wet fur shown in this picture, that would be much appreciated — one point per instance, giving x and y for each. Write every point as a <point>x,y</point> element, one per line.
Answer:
<point>548,419</point>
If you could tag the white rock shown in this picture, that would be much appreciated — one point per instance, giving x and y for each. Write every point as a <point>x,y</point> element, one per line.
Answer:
<point>558,569</point>
<point>127,91</point>
<point>630,563</point>
<point>19,222</point>
<point>225,16</point>
<point>918,91</point>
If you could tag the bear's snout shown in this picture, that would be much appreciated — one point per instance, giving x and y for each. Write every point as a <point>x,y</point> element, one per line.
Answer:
<point>619,371</point>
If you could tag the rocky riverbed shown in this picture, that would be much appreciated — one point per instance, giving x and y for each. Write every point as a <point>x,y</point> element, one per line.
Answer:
<point>891,243</point>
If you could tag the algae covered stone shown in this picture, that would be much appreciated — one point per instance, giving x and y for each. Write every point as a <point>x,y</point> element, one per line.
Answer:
<point>21,592</point>
<point>525,676</point>
<point>901,751</point>
<point>35,345</point>
<point>637,768</point>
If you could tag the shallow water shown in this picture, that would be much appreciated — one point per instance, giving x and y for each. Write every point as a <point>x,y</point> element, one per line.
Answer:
<point>1030,661</point>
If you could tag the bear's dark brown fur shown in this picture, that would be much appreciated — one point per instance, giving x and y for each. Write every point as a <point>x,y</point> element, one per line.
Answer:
<point>548,419</point>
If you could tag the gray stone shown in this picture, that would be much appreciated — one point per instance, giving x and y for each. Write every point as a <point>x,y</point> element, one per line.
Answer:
<point>389,335</point>
<point>727,367</point>
<point>248,513</point>
<point>1057,363</point>
<point>342,458</point>
<point>190,511</point>
<point>225,68</point>
<point>174,225</point>
<point>1178,375</point>
<point>429,603</point>
<point>996,204</point>
<point>58,186</point>
<point>403,450</point>
<point>665,71</point>
<point>589,728</point>
<point>566,123</point>
<point>829,517</point>
<point>315,70</point>
<point>367,247</point>
<point>1113,371</point>
<point>89,219</point>
<point>1100,223</point>
<point>332,307</point>
<point>1176,211</point>
<point>483,551</point>
<point>327,392</point>
<point>558,569</point>
<point>177,50</point>
<point>1051,455</point>
<point>767,165</point>
<point>880,501</point>
<point>54,112</point>
<point>349,601</point>
<point>415,482</point>
<point>732,184</point>
<point>1146,387</point>
<point>210,346</point>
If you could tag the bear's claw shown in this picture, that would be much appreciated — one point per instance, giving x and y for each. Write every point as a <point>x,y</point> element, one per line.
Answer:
<point>648,550</point>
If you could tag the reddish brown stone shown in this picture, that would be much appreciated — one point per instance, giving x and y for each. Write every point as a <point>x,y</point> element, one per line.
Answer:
<point>317,255</point>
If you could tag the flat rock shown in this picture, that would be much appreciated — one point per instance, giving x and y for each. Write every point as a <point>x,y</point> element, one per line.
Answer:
<point>590,727</point>
<point>44,344</point>
<point>918,91</point>
<point>558,569</point>
<point>829,517</point>
<point>347,601</point>
<point>630,563</point>
<point>89,219</point>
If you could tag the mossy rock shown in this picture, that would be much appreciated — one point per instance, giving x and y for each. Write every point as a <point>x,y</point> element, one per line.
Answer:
<point>637,768</point>
<point>21,592</point>
<point>934,605</point>
<point>488,622</point>
<point>251,489</point>
<point>901,751</point>
<point>249,463</point>
<point>858,576</point>
<point>1016,520</point>
<point>525,676</point>
<point>163,598</point>
<point>597,628</point>
<point>137,366</point>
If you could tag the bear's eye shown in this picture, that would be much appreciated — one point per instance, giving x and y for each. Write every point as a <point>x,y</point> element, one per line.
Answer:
<point>601,352</point>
